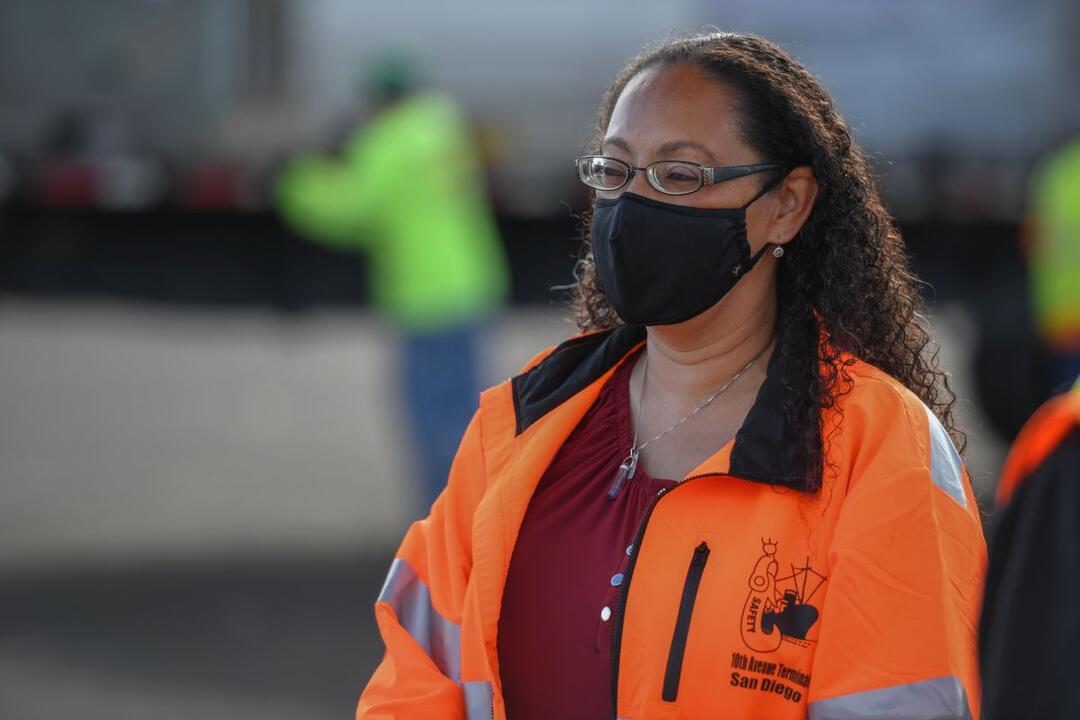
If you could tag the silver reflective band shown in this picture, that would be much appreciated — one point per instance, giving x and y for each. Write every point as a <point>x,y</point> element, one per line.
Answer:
<point>945,466</point>
<point>478,700</point>
<point>942,698</point>
<point>410,598</point>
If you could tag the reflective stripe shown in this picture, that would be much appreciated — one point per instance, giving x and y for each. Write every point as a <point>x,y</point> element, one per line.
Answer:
<point>942,698</point>
<point>440,638</point>
<point>478,700</point>
<point>945,466</point>
<point>410,598</point>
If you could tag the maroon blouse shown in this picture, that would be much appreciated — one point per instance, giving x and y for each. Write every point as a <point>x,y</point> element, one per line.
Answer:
<point>555,628</point>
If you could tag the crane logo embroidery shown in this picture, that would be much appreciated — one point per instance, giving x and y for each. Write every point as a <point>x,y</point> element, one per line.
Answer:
<point>778,609</point>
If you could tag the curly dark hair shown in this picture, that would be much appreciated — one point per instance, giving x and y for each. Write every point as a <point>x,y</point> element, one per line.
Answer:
<point>846,272</point>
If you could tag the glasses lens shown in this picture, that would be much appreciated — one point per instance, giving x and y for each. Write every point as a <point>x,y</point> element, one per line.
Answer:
<point>675,178</point>
<point>603,173</point>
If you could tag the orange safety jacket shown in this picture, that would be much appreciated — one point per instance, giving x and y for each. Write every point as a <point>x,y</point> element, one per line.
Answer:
<point>1028,631</point>
<point>744,596</point>
<point>1039,437</point>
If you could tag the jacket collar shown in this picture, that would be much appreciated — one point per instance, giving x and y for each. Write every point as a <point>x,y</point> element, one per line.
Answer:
<point>763,450</point>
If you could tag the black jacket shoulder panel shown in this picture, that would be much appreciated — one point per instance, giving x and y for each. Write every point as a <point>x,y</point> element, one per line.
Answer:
<point>762,448</point>
<point>570,368</point>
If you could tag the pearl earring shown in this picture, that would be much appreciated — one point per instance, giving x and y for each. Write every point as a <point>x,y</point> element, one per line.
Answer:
<point>778,251</point>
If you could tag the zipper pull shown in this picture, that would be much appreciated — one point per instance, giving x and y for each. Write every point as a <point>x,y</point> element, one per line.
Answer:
<point>626,472</point>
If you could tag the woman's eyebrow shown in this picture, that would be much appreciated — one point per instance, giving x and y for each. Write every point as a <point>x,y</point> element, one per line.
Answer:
<point>617,142</point>
<point>666,149</point>
<point>670,147</point>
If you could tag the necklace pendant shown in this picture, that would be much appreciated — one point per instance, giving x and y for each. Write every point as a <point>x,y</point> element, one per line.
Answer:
<point>626,472</point>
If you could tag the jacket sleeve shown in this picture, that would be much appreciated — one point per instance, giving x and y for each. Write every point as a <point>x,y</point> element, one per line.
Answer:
<point>327,200</point>
<point>906,564</point>
<point>420,607</point>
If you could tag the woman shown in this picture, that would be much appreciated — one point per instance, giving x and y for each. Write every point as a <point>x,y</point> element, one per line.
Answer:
<point>736,494</point>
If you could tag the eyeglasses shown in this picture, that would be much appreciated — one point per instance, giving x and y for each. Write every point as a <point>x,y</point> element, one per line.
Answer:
<point>671,177</point>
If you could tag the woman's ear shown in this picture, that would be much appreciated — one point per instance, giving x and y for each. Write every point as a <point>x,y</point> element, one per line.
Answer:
<point>796,195</point>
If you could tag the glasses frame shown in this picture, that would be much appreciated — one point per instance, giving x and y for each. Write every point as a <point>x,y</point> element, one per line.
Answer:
<point>710,175</point>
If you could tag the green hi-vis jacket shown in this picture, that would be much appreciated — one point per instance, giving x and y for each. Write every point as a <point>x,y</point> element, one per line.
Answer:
<point>409,191</point>
<point>1055,257</point>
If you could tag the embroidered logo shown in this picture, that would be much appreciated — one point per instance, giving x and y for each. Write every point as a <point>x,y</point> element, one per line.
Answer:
<point>778,609</point>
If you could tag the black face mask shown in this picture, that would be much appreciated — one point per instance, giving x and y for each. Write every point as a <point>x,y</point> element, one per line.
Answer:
<point>661,264</point>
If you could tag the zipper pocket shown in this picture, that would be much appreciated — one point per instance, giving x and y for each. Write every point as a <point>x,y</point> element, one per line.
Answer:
<point>682,622</point>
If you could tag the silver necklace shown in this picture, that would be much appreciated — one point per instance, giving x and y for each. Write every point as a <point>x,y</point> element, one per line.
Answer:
<point>629,466</point>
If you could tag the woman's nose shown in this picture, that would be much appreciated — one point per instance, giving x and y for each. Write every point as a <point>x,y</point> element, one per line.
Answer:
<point>639,185</point>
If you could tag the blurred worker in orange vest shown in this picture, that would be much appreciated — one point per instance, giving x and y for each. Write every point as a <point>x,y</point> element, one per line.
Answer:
<point>1030,626</point>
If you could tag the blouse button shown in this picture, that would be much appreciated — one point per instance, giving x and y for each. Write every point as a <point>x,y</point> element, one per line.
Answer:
<point>616,579</point>
<point>605,613</point>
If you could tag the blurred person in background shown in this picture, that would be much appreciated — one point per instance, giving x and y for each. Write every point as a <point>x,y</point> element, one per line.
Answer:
<point>408,190</point>
<point>1030,627</point>
<point>738,491</point>
<point>1051,238</point>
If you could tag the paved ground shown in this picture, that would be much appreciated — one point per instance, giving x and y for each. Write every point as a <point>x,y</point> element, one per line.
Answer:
<point>132,433</point>
<point>246,639</point>
<point>183,529</point>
